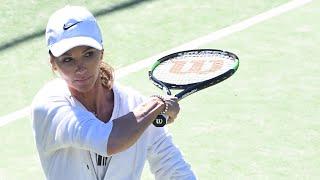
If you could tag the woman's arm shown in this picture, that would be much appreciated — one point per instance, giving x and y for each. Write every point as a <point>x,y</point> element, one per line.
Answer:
<point>165,159</point>
<point>127,129</point>
<point>58,124</point>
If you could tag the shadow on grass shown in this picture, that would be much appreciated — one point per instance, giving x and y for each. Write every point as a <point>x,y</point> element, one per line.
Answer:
<point>101,12</point>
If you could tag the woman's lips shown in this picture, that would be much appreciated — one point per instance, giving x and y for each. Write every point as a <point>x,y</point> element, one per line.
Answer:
<point>83,80</point>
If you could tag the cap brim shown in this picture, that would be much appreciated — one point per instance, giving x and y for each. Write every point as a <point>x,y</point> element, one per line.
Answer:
<point>65,45</point>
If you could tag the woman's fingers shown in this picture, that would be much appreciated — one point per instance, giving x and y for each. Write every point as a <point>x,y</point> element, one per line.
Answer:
<point>173,108</point>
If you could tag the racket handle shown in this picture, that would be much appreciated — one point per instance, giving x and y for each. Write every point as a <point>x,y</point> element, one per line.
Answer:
<point>160,121</point>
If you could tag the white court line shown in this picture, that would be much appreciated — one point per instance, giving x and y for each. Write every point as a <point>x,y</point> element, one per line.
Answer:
<point>190,45</point>
<point>14,116</point>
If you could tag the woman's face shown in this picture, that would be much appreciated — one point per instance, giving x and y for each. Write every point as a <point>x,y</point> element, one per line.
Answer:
<point>79,67</point>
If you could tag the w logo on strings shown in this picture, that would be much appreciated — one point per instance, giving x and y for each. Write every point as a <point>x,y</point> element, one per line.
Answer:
<point>196,66</point>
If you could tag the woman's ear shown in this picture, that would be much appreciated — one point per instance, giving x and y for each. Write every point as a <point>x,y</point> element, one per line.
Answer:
<point>53,63</point>
<point>101,55</point>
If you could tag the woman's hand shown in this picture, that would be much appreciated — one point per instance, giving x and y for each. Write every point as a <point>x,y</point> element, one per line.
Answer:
<point>173,108</point>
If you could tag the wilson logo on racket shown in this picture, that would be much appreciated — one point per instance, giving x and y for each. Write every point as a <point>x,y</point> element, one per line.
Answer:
<point>196,66</point>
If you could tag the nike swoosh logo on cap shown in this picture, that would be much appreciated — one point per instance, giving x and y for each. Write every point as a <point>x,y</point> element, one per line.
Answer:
<point>69,25</point>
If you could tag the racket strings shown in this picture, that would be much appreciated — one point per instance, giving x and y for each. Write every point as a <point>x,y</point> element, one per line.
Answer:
<point>189,69</point>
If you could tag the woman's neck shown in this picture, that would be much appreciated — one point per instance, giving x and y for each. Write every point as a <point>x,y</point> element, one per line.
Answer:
<point>98,100</point>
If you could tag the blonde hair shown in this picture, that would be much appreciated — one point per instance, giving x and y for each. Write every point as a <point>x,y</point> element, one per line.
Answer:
<point>106,75</point>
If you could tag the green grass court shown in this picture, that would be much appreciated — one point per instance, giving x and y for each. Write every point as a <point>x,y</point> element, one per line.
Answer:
<point>262,123</point>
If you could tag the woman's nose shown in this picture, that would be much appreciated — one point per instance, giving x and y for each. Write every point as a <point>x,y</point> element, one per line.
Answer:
<point>80,68</point>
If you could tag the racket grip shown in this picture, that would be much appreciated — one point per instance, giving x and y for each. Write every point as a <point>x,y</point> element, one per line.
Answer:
<point>160,121</point>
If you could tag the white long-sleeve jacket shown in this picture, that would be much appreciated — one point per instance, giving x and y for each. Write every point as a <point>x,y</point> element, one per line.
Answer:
<point>67,135</point>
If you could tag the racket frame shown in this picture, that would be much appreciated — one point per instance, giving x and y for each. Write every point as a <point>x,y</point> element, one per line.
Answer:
<point>189,89</point>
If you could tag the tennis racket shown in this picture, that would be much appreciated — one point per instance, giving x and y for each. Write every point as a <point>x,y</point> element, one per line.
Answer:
<point>191,71</point>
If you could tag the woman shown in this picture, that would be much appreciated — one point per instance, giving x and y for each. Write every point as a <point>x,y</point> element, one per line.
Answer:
<point>87,127</point>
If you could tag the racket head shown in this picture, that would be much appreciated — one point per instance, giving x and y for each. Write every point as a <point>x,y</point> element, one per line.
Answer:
<point>193,69</point>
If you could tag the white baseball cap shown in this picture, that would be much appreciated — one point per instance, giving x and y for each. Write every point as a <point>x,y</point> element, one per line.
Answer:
<point>70,27</point>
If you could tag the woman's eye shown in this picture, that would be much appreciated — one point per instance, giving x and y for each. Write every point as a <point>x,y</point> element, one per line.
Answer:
<point>66,60</point>
<point>88,54</point>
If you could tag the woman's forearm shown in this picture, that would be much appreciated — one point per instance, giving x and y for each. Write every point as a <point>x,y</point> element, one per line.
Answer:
<point>127,129</point>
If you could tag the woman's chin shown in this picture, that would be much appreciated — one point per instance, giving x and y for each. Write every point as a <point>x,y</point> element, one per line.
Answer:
<point>83,87</point>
